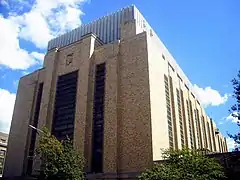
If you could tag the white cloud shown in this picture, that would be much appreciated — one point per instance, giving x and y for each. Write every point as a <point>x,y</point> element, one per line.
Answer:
<point>38,56</point>
<point>53,18</point>
<point>7,100</point>
<point>44,20</point>
<point>11,55</point>
<point>230,143</point>
<point>209,97</point>
<point>35,29</point>
<point>4,3</point>
<point>232,118</point>
<point>15,83</point>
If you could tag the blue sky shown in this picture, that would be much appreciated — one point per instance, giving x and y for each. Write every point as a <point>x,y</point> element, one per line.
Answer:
<point>203,36</point>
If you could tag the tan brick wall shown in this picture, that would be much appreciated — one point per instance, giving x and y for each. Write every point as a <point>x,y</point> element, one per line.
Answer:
<point>23,112</point>
<point>109,54</point>
<point>50,63</point>
<point>55,65</point>
<point>135,149</point>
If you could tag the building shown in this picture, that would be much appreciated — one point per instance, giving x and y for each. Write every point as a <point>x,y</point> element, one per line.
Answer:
<point>230,162</point>
<point>3,149</point>
<point>113,87</point>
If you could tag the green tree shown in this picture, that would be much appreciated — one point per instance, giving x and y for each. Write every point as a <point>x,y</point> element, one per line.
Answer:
<point>59,159</point>
<point>235,109</point>
<point>184,165</point>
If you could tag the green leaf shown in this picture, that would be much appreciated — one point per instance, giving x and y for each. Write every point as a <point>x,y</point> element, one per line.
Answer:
<point>59,159</point>
<point>184,164</point>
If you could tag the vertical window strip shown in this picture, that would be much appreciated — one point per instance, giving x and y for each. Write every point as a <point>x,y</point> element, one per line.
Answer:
<point>64,108</point>
<point>197,128</point>
<point>209,135</point>
<point>213,136</point>
<point>34,133</point>
<point>225,143</point>
<point>180,118</point>
<point>190,125</point>
<point>169,115</point>
<point>184,120</point>
<point>192,122</point>
<point>204,133</point>
<point>223,147</point>
<point>98,119</point>
<point>173,113</point>
<point>220,148</point>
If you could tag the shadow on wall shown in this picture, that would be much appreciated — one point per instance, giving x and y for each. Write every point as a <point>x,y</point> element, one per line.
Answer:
<point>231,163</point>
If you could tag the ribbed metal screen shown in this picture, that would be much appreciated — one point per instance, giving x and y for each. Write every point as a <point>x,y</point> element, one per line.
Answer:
<point>107,28</point>
<point>98,119</point>
<point>34,133</point>
<point>64,111</point>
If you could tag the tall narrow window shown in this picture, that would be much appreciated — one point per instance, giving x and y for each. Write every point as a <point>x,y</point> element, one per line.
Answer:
<point>192,122</point>
<point>209,135</point>
<point>98,119</point>
<point>180,118</point>
<point>169,114</point>
<point>204,133</point>
<point>190,125</point>
<point>65,102</point>
<point>184,119</point>
<point>199,138</point>
<point>222,145</point>
<point>213,136</point>
<point>225,144</point>
<point>173,113</point>
<point>34,133</point>
<point>219,144</point>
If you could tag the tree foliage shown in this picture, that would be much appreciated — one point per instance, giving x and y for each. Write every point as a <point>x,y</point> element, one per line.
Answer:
<point>235,109</point>
<point>59,159</point>
<point>184,165</point>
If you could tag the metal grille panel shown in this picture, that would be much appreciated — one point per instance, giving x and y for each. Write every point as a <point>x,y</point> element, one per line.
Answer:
<point>107,28</point>
<point>64,111</point>
<point>34,133</point>
<point>98,119</point>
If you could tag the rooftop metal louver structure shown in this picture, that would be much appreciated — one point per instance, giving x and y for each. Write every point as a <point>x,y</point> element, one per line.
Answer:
<point>107,28</point>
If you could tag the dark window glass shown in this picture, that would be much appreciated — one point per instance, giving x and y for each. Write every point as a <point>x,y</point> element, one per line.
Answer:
<point>98,119</point>
<point>169,114</point>
<point>180,117</point>
<point>204,133</point>
<point>65,102</point>
<point>209,135</point>
<point>199,139</point>
<point>34,133</point>
<point>190,125</point>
